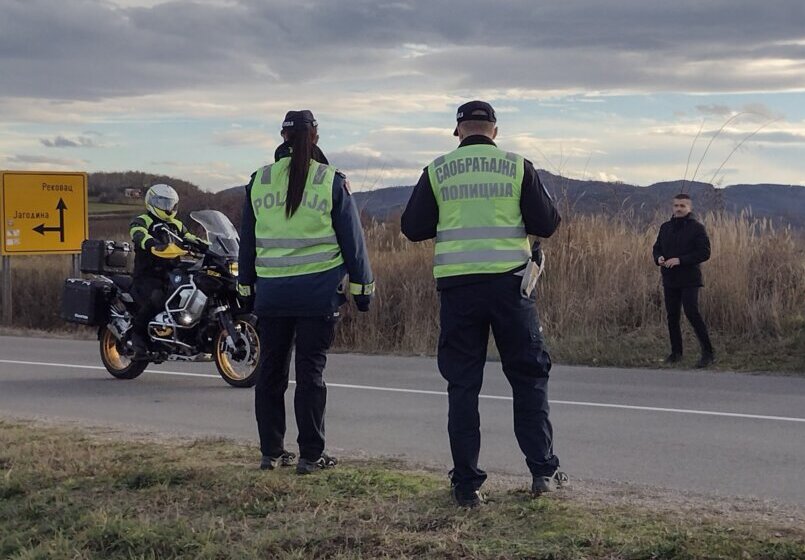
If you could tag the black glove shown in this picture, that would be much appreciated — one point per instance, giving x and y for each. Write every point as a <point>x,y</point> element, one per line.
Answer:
<point>200,246</point>
<point>155,245</point>
<point>362,302</point>
<point>536,253</point>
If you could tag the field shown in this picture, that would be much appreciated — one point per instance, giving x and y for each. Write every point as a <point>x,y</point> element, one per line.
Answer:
<point>600,299</point>
<point>113,208</point>
<point>82,495</point>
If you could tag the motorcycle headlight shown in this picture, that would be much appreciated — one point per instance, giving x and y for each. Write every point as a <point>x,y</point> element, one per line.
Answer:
<point>233,268</point>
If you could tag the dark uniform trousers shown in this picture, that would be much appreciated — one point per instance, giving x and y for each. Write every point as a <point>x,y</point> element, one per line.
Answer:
<point>467,313</point>
<point>312,337</point>
<point>149,293</point>
<point>688,298</point>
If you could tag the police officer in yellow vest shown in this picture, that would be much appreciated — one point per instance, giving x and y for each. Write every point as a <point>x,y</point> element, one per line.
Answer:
<point>300,237</point>
<point>480,203</point>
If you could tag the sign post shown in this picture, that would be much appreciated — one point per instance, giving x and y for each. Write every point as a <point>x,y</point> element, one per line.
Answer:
<point>7,295</point>
<point>43,213</point>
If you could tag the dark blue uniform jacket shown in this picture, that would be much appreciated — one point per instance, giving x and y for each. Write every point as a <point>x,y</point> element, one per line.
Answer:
<point>307,295</point>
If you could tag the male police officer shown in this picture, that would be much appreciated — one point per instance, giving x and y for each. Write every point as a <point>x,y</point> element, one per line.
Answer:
<point>155,253</point>
<point>481,203</point>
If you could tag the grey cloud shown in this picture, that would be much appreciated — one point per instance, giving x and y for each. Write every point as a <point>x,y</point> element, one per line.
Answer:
<point>773,137</point>
<point>753,111</point>
<point>43,160</point>
<point>89,49</point>
<point>717,110</point>
<point>359,162</point>
<point>762,111</point>
<point>245,137</point>
<point>64,142</point>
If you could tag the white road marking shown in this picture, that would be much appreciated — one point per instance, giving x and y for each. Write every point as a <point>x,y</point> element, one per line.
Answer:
<point>444,394</point>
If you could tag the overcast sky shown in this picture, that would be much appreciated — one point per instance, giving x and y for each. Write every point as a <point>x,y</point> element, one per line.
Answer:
<point>615,89</point>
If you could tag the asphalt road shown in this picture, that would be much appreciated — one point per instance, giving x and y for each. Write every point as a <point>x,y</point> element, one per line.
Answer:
<point>726,434</point>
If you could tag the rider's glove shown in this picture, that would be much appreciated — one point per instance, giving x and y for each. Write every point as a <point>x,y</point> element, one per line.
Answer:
<point>196,242</point>
<point>200,245</point>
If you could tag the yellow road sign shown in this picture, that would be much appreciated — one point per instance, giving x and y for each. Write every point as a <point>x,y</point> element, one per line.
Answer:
<point>43,212</point>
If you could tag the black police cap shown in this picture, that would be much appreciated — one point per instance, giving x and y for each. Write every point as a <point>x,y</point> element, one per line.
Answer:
<point>474,111</point>
<point>299,119</point>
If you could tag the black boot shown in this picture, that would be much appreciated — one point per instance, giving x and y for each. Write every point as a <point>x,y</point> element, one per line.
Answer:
<point>306,466</point>
<point>270,463</point>
<point>467,498</point>
<point>138,345</point>
<point>673,358</point>
<point>543,484</point>
<point>707,359</point>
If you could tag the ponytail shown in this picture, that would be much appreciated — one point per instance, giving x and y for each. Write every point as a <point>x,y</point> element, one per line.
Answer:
<point>301,142</point>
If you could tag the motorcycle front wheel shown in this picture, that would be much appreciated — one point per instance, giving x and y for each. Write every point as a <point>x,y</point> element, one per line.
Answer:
<point>238,368</point>
<point>114,359</point>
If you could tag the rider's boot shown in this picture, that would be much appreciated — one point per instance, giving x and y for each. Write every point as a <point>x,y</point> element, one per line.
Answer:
<point>139,346</point>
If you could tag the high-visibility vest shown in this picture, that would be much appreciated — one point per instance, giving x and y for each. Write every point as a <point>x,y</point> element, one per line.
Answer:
<point>304,243</point>
<point>481,228</point>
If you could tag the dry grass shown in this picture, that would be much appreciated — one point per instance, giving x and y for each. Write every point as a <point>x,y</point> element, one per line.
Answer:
<point>600,298</point>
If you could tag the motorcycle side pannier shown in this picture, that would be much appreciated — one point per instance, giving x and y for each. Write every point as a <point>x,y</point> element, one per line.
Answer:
<point>104,257</point>
<point>85,302</point>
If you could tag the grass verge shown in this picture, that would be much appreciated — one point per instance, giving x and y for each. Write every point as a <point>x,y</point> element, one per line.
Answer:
<point>74,494</point>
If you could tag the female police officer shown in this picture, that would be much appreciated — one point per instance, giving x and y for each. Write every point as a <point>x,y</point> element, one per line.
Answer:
<point>300,237</point>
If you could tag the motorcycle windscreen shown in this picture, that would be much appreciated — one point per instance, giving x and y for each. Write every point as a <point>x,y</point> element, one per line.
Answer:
<point>221,234</point>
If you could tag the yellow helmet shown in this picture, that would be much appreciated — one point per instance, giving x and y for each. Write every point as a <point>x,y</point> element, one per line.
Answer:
<point>162,201</point>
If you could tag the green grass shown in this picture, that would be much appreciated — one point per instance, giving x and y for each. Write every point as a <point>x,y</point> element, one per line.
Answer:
<point>113,208</point>
<point>647,348</point>
<point>71,494</point>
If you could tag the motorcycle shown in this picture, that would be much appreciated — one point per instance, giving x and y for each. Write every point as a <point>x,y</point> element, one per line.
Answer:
<point>202,320</point>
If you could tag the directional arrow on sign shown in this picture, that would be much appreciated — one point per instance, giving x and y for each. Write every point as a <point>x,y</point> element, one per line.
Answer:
<point>41,229</point>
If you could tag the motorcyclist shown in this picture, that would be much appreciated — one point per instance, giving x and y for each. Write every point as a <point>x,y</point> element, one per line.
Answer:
<point>155,254</point>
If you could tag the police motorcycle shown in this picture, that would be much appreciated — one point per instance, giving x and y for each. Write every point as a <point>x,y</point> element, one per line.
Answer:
<point>202,320</point>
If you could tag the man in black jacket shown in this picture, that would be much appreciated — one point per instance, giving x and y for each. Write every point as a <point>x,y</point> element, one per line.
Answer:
<point>681,246</point>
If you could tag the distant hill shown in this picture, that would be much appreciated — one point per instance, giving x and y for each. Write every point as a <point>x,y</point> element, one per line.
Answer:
<point>110,187</point>
<point>781,203</point>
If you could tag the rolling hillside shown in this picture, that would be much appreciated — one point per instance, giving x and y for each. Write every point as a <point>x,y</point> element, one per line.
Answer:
<point>780,203</point>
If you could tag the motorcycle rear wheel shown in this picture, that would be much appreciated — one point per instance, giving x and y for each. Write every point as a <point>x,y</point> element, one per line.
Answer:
<point>238,373</point>
<point>115,362</point>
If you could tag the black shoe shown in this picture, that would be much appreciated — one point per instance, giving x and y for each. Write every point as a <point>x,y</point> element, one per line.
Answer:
<point>542,484</point>
<point>673,358</point>
<point>707,359</point>
<point>467,499</point>
<point>306,466</point>
<point>270,463</point>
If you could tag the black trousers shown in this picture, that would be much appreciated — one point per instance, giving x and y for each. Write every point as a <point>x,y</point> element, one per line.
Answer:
<point>467,313</point>
<point>149,293</point>
<point>677,299</point>
<point>312,337</point>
